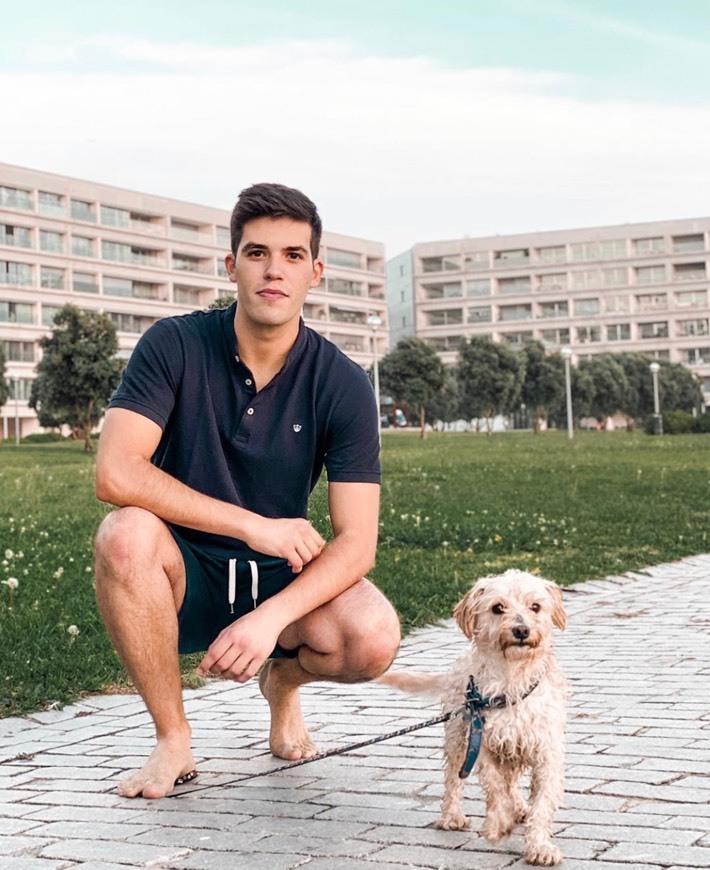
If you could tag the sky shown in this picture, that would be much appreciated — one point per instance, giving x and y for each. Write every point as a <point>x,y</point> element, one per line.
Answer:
<point>404,120</point>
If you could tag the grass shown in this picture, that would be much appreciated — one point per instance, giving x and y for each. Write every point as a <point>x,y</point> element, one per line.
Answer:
<point>454,507</point>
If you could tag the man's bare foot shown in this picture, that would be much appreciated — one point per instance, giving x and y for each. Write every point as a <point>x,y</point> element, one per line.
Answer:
<point>171,759</point>
<point>288,736</point>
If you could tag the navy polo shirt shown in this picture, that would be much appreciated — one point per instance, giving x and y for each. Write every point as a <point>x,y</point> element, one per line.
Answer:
<point>263,451</point>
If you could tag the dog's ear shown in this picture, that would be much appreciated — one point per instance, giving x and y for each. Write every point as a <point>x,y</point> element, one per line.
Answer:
<point>466,610</point>
<point>559,617</point>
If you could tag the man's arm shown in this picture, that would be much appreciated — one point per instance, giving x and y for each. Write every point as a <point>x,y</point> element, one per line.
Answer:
<point>242,647</point>
<point>125,477</point>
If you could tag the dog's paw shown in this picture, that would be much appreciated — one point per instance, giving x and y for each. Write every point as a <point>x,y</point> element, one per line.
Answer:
<point>542,855</point>
<point>452,822</point>
<point>497,830</point>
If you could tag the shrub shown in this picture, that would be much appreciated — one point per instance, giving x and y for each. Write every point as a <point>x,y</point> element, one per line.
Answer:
<point>43,438</point>
<point>702,424</point>
<point>678,422</point>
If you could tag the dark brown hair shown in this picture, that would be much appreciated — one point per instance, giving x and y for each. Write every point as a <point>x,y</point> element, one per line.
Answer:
<point>274,201</point>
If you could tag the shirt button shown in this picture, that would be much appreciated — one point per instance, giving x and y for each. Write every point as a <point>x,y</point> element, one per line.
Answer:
<point>236,359</point>
<point>250,411</point>
<point>248,382</point>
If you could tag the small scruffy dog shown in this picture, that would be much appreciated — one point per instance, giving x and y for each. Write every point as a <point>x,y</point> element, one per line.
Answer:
<point>517,715</point>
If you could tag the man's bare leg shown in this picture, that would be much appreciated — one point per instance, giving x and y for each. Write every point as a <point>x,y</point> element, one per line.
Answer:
<point>140,585</point>
<point>351,639</point>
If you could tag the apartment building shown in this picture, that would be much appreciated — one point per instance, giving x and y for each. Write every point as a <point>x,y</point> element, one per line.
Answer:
<point>136,258</point>
<point>632,288</point>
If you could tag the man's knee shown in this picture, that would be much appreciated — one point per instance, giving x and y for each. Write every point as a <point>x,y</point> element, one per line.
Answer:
<point>125,536</point>
<point>379,638</point>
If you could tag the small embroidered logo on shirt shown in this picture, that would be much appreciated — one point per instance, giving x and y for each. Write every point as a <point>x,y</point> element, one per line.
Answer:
<point>297,427</point>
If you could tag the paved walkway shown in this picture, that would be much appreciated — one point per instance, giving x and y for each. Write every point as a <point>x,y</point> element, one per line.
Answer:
<point>637,654</point>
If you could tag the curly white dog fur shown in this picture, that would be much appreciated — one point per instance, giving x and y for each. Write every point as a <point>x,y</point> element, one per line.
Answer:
<point>509,620</point>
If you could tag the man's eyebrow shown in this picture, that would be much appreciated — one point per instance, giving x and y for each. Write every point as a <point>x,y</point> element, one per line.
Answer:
<point>256,246</point>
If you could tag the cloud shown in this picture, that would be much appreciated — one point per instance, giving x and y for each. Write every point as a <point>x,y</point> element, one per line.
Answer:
<point>399,150</point>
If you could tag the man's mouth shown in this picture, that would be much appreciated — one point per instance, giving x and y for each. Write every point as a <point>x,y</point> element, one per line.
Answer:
<point>271,293</point>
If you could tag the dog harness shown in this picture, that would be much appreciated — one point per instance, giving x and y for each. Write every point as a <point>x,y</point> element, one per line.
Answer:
<point>475,704</point>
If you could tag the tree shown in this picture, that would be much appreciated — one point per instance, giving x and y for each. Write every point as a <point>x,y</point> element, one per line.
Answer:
<point>679,388</point>
<point>611,392</point>
<point>78,371</point>
<point>223,301</point>
<point>543,388</point>
<point>4,385</point>
<point>490,377</point>
<point>445,403</point>
<point>414,375</point>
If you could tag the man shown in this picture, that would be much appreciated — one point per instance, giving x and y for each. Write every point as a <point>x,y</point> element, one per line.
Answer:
<point>210,448</point>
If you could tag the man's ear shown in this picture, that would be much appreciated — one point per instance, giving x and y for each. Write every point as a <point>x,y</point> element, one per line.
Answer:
<point>229,263</point>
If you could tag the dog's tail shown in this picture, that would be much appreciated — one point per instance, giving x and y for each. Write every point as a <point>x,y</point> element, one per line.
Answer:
<point>414,684</point>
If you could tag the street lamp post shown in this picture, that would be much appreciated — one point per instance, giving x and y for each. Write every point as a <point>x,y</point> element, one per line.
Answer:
<point>374,322</point>
<point>16,388</point>
<point>566,353</point>
<point>657,419</point>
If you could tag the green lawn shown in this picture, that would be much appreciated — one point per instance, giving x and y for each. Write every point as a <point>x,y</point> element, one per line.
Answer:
<point>454,507</point>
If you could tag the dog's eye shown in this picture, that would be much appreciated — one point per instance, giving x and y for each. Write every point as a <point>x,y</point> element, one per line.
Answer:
<point>497,608</point>
<point>535,607</point>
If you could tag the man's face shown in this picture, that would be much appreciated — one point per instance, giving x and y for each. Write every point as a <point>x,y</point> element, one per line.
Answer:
<point>273,270</point>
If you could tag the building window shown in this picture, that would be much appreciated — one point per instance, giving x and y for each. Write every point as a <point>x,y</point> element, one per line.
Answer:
<point>441,264</point>
<point>475,260</point>
<point>554,309</point>
<point>651,302</point>
<point>514,286</point>
<point>348,288</point>
<point>589,334</point>
<point>587,307</point>
<point>49,312</point>
<point>82,211</point>
<point>133,289</point>
<point>617,304</point>
<point>185,231</point>
<point>345,315</point>
<point>444,342</point>
<point>115,217</point>
<point>19,351</point>
<point>184,294</point>
<point>478,287</point>
<point>52,242</point>
<point>83,282</point>
<point>516,339</point>
<point>650,274</point>
<point>16,312</point>
<point>51,279</point>
<point>555,336</point>
<point>514,312</point>
<point>547,283</point>
<point>686,328</point>
<point>445,317</point>
<point>554,254</point>
<point>135,323</point>
<point>646,247</point>
<point>188,263</point>
<point>689,244</point>
<point>614,249</point>
<point>348,259</point>
<point>695,356</point>
<point>691,299</point>
<point>515,257</point>
<point>587,280</point>
<point>129,254</point>
<point>614,277</point>
<point>689,272</point>
<point>659,329</point>
<point>443,291</point>
<point>348,343</point>
<point>480,315</point>
<point>19,274</point>
<point>82,246</point>
<point>223,238</point>
<point>51,204</point>
<point>14,197</point>
<point>618,332</point>
<point>16,237</point>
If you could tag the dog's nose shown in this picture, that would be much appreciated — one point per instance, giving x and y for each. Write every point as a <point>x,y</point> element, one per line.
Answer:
<point>521,632</point>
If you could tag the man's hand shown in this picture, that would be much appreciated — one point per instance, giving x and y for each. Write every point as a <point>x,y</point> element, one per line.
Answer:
<point>292,539</point>
<point>241,648</point>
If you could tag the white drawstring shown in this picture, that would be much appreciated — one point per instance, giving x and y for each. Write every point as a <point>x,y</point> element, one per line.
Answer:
<point>254,581</point>
<point>232,590</point>
<point>232,594</point>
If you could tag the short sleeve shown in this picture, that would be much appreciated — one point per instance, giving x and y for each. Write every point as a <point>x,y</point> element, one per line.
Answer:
<point>150,381</point>
<point>353,442</point>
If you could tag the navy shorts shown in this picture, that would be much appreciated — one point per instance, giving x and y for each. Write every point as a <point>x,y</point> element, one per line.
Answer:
<point>220,589</point>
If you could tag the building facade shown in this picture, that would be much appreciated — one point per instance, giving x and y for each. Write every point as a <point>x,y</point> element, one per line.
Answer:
<point>136,258</point>
<point>618,289</point>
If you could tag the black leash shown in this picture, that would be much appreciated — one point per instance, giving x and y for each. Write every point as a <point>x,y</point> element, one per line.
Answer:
<point>329,754</point>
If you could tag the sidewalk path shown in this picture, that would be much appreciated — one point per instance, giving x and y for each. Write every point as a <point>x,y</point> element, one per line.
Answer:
<point>636,652</point>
